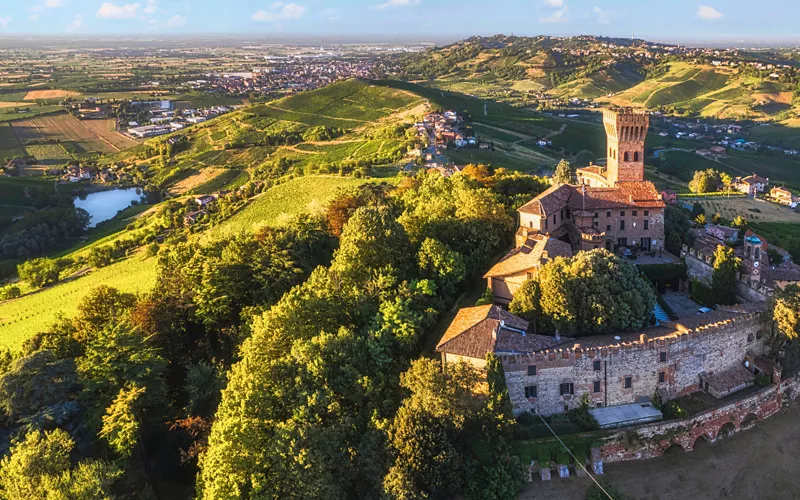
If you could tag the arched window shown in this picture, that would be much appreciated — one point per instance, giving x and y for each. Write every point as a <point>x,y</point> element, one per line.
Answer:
<point>759,334</point>
<point>625,156</point>
<point>749,338</point>
<point>757,254</point>
<point>636,156</point>
<point>609,153</point>
<point>747,252</point>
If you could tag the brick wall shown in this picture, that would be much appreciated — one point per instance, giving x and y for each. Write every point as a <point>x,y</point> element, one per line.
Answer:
<point>707,349</point>
<point>651,440</point>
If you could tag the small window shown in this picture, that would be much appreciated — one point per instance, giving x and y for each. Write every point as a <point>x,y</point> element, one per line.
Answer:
<point>566,389</point>
<point>662,356</point>
<point>545,223</point>
<point>596,386</point>
<point>598,365</point>
<point>646,224</point>
<point>633,213</point>
<point>625,156</point>
<point>750,338</point>
<point>555,221</point>
<point>596,215</point>
<point>622,213</point>
<point>598,405</point>
<point>608,214</point>
<point>531,370</point>
<point>530,391</point>
<point>759,334</point>
<point>530,276</point>
<point>635,156</point>
<point>646,213</point>
<point>622,224</point>
<point>608,227</point>
<point>566,408</point>
<point>628,382</point>
<point>662,377</point>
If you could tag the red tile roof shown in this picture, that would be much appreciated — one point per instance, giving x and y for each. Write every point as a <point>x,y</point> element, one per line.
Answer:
<point>641,194</point>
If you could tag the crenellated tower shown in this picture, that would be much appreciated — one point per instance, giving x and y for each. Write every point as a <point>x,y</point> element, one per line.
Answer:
<point>626,129</point>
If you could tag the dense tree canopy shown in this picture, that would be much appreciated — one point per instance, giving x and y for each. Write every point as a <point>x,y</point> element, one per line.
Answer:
<point>593,292</point>
<point>726,271</point>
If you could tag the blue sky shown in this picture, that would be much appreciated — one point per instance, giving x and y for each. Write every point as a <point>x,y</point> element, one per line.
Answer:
<point>665,19</point>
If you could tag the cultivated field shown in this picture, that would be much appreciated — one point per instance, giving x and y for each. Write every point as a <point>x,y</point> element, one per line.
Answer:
<point>106,131</point>
<point>303,195</point>
<point>9,145</point>
<point>50,94</point>
<point>23,317</point>
<point>48,154</point>
<point>750,209</point>
<point>63,128</point>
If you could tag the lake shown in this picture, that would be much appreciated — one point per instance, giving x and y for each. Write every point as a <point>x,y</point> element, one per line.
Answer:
<point>104,205</point>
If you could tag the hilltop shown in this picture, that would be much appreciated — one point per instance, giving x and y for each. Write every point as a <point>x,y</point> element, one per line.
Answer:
<point>545,71</point>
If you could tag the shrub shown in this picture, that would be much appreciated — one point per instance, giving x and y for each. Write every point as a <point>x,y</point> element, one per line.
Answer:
<point>39,272</point>
<point>10,292</point>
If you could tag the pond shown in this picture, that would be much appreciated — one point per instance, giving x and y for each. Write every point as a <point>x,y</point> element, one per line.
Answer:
<point>104,205</point>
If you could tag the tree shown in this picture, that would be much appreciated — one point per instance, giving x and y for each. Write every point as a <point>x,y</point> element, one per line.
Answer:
<point>716,218</point>
<point>101,306</point>
<point>704,181</point>
<point>39,272</point>
<point>438,261</point>
<point>594,292</point>
<point>527,304</point>
<point>785,308</point>
<point>100,256</point>
<point>739,223</point>
<point>700,219</point>
<point>726,181</point>
<point>121,421</point>
<point>723,278</point>
<point>204,385</point>
<point>38,468</point>
<point>563,173</point>
<point>584,158</point>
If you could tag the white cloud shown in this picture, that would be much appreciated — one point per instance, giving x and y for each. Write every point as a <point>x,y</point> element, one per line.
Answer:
<point>113,11</point>
<point>708,13</point>
<point>176,21</point>
<point>397,3</point>
<point>54,4</point>
<point>559,16</point>
<point>280,11</point>
<point>76,24</point>
<point>151,7</point>
<point>602,16</point>
<point>4,22</point>
<point>330,14</point>
<point>554,3</point>
<point>33,18</point>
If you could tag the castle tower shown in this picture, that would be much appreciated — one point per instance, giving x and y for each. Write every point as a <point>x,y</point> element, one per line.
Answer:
<point>626,129</point>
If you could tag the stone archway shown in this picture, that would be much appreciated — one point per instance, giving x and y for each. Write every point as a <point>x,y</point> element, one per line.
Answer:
<point>701,441</point>
<point>749,421</point>
<point>726,430</point>
<point>673,449</point>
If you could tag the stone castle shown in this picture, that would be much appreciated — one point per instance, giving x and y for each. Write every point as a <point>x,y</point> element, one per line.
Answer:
<point>610,207</point>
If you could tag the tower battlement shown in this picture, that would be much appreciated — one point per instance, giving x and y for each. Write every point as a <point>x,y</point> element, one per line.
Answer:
<point>626,130</point>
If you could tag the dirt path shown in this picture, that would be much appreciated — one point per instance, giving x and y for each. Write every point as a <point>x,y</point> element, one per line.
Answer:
<point>556,132</point>
<point>762,462</point>
<point>506,131</point>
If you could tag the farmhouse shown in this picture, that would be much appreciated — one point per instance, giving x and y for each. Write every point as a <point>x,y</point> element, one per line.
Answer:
<point>750,185</point>
<point>714,352</point>
<point>784,197</point>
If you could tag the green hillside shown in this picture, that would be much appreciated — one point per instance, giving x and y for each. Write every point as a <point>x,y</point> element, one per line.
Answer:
<point>348,124</point>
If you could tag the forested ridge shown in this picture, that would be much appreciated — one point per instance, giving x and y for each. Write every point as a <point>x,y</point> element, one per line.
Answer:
<point>285,363</point>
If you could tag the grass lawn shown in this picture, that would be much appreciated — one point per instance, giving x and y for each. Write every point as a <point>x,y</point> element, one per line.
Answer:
<point>23,317</point>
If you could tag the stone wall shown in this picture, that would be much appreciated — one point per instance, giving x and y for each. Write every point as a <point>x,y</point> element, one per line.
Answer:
<point>651,440</point>
<point>687,354</point>
<point>698,266</point>
<point>747,292</point>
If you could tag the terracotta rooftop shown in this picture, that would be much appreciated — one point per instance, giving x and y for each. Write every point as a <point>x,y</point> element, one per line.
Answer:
<point>476,331</point>
<point>530,255</point>
<point>753,179</point>
<point>726,381</point>
<point>626,194</point>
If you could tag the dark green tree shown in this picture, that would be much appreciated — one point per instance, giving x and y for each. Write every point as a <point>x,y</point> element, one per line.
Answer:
<point>723,278</point>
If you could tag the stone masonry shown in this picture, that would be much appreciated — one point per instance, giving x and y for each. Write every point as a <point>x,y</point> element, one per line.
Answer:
<point>628,372</point>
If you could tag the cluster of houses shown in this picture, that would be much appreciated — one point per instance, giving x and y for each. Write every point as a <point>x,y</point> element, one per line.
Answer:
<point>79,173</point>
<point>164,119</point>
<point>282,73</point>
<point>202,204</point>
<point>444,129</point>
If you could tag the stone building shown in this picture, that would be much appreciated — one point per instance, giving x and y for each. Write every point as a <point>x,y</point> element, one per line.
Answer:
<point>611,207</point>
<point>758,278</point>
<point>718,353</point>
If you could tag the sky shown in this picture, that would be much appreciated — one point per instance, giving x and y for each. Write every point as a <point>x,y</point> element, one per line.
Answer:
<point>732,20</point>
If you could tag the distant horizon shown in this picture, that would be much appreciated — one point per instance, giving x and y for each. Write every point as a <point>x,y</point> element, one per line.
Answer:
<point>366,38</point>
<point>679,21</point>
